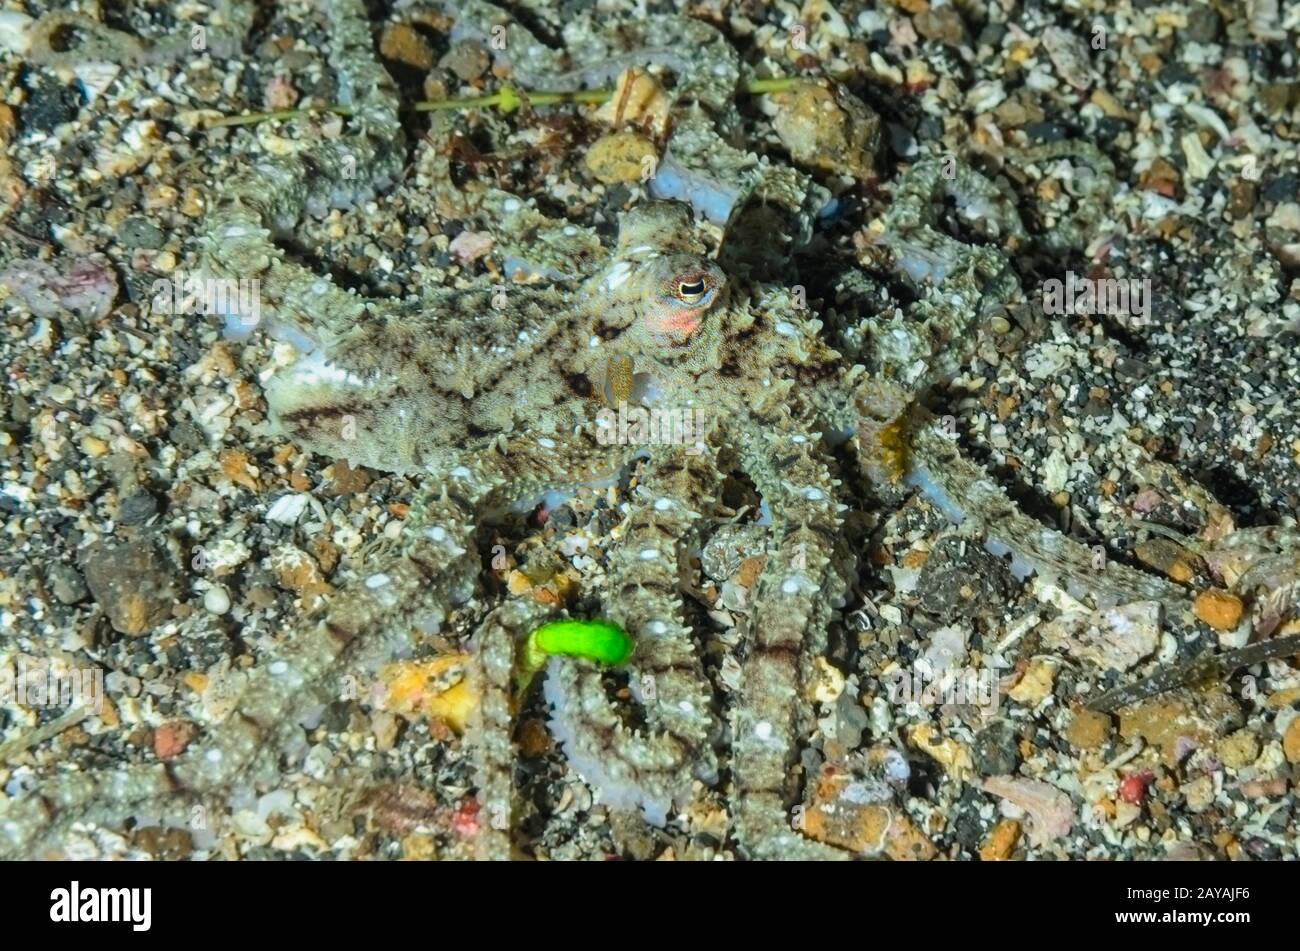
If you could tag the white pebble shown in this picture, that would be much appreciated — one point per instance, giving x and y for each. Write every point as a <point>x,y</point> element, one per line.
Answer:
<point>217,599</point>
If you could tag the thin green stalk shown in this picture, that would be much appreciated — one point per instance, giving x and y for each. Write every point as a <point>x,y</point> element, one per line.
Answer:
<point>505,100</point>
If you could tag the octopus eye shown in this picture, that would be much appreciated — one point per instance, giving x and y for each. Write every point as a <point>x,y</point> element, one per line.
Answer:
<point>691,291</point>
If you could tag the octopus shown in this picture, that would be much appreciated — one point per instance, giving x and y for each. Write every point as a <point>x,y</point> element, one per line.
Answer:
<point>496,395</point>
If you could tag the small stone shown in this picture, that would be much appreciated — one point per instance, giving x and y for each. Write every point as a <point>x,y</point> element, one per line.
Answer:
<point>996,752</point>
<point>1088,730</point>
<point>1115,638</point>
<point>297,571</point>
<point>827,127</point>
<point>217,599</point>
<point>906,843</point>
<point>469,246</point>
<point>1291,742</point>
<point>170,739</point>
<point>420,847</point>
<point>164,844</point>
<point>1278,97</point>
<point>403,43</point>
<point>1181,720</point>
<point>437,688</point>
<point>132,583</point>
<point>467,59</point>
<point>66,584</point>
<point>856,813</point>
<point>1160,177</point>
<point>1166,556</point>
<point>1036,684</point>
<point>953,756</point>
<point>1002,841</point>
<point>280,92</point>
<point>1239,749</point>
<point>1218,608</point>
<point>1199,793</point>
<point>137,508</point>
<point>236,467</point>
<point>49,103</point>
<point>941,23</point>
<point>137,232</point>
<point>1286,697</point>
<point>1242,196</point>
<point>93,446</point>
<point>621,157</point>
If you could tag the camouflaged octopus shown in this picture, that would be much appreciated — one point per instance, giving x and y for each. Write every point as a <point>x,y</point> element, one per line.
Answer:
<point>493,399</point>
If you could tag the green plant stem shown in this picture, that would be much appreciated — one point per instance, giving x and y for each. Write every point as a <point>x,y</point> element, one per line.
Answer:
<point>505,100</point>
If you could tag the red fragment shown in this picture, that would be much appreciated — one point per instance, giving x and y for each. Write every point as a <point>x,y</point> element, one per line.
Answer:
<point>1133,787</point>
<point>464,822</point>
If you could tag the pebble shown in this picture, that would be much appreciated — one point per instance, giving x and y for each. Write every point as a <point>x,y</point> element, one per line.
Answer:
<point>216,600</point>
<point>1291,742</point>
<point>1088,730</point>
<point>1199,793</point>
<point>171,739</point>
<point>827,127</point>
<point>621,157</point>
<point>137,232</point>
<point>1218,608</point>
<point>1036,684</point>
<point>132,582</point>
<point>1238,750</point>
<point>1181,721</point>
<point>49,104</point>
<point>403,43</point>
<point>1166,556</point>
<point>1116,638</point>
<point>137,508</point>
<point>467,59</point>
<point>1001,842</point>
<point>996,750</point>
<point>66,584</point>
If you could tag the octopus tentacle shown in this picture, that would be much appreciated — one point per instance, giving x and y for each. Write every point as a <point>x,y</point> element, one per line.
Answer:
<point>650,768</point>
<point>68,40</point>
<point>271,195</point>
<point>1093,193</point>
<point>492,726</point>
<point>962,490</point>
<point>793,606</point>
<point>963,281</point>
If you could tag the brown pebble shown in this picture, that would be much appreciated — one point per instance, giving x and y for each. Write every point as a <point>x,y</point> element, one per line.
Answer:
<point>1218,608</point>
<point>170,739</point>
<point>132,582</point>
<point>1166,556</point>
<point>1002,841</point>
<point>1088,730</point>
<point>401,42</point>
<point>1241,198</point>
<point>1291,742</point>
<point>621,157</point>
